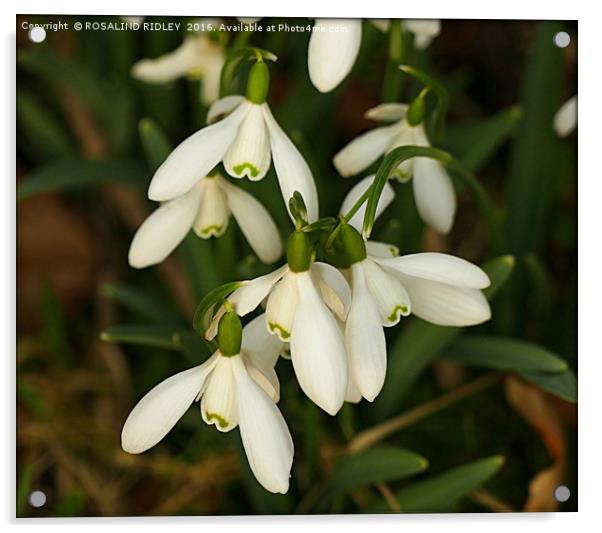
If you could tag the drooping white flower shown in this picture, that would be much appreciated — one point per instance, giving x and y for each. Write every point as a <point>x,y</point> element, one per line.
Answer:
<point>245,140</point>
<point>565,120</point>
<point>433,190</point>
<point>424,30</point>
<point>234,391</point>
<point>333,48</point>
<point>198,57</point>
<point>206,208</point>
<point>438,288</point>
<point>300,307</point>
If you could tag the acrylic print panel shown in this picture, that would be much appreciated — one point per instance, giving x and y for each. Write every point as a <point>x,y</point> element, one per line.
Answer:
<point>295,266</point>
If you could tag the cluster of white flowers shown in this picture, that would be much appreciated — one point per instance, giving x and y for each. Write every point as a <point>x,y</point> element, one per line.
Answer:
<point>328,315</point>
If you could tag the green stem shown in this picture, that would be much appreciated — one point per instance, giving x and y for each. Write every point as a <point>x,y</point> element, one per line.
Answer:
<point>397,50</point>
<point>391,161</point>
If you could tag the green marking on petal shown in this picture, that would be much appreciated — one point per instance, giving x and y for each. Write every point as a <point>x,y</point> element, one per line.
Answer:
<point>195,74</point>
<point>397,310</point>
<point>214,229</point>
<point>221,421</point>
<point>240,169</point>
<point>394,251</point>
<point>283,333</point>
<point>401,176</point>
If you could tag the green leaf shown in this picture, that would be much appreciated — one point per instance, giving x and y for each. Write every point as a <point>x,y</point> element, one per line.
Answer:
<point>155,143</point>
<point>498,270</point>
<point>420,343</point>
<point>483,140</point>
<point>139,302</point>
<point>158,336</point>
<point>191,345</point>
<point>374,465</point>
<point>43,134</point>
<point>503,353</point>
<point>440,493</point>
<point>563,385</point>
<point>202,315</point>
<point>76,173</point>
<point>23,489</point>
<point>55,325</point>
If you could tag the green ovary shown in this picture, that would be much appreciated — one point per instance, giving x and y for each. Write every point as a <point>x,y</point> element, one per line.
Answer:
<point>239,169</point>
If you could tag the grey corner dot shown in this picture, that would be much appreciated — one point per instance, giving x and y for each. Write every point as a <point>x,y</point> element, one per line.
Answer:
<point>562,493</point>
<point>37,498</point>
<point>562,39</point>
<point>37,34</point>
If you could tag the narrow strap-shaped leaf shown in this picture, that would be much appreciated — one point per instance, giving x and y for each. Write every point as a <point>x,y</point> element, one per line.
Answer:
<point>441,492</point>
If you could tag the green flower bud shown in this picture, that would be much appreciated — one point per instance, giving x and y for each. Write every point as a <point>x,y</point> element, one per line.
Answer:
<point>258,83</point>
<point>229,334</point>
<point>416,111</point>
<point>298,252</point>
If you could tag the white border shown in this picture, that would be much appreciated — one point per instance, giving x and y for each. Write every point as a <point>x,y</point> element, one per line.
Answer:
<point>590,187</point>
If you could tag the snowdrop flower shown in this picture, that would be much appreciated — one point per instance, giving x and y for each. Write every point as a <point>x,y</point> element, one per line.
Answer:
<point>301,299</point>
<point>236,387</point>
<point>439,288</point>
<point>199,56</point>
<point>424,31</point>
<point>333,48</point>
<point>245,141</point>
<point>206,208</point>
<point>433,189</point>
<point>565,120</point>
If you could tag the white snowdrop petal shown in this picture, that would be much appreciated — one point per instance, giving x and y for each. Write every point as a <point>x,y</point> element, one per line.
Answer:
<point>247,297</point>
<point>387,196</point>
<point>424,31</point>
<point>333,287</point>
<point>254,221</point>
<point>195,157</point>
<point>291,169</point>
<point>318,349</point>
<point>265,436</point>
<point>169,66</point>
<point>365,338</point>
<point>213,212</point>
<point>249,155</point>
<point>163,230</point>
<point>333,48</point>
<point>224,106</point>
<point>381,250</point>
<point>446,305</point>
<point>434,194</point>
<point>565,120</point>
<point>218,403</point>
<point>388,293</point>
<point>259,345</point>
<point>443,268</point>
<point>210,70</point>
<point>387,112</point>
<point>266,378</point>
<point>353,394</point>
<point>157,412</point>
<point>362,151</point>
<point>281,306</point>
